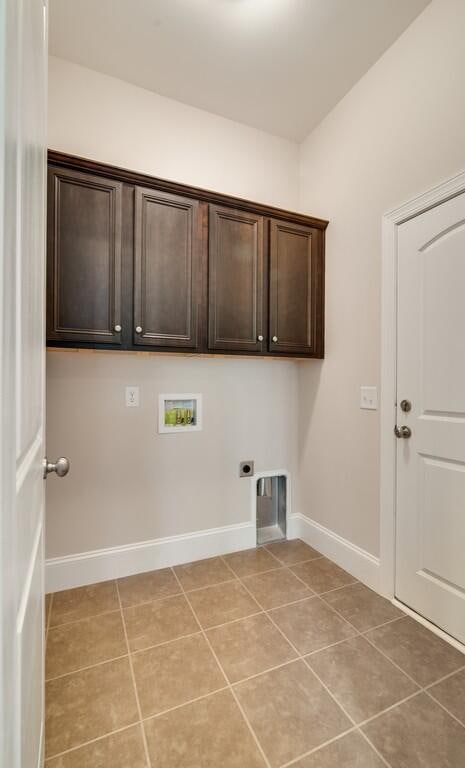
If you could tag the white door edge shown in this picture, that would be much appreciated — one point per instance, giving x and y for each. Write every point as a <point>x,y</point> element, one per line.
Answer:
<point>390,223</point>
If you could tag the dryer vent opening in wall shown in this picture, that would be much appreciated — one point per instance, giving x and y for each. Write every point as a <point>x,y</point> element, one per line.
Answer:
<point>271,506</point>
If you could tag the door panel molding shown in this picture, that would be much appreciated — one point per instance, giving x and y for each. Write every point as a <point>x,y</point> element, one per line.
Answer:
<point>391,221</point>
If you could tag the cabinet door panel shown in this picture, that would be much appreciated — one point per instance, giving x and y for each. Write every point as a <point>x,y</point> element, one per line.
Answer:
<point>166,279</point>
<point>296,299</point>
<point>235,280</point>
<point>84,257</point>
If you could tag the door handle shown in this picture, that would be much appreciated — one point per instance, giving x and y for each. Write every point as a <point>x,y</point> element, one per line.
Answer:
<point>403,431</point>
<point>60,467</point>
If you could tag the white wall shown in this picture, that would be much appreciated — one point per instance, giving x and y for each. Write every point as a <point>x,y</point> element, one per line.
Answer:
<point>103,118</point>
<point>397,133</point>
<point>127,483</point>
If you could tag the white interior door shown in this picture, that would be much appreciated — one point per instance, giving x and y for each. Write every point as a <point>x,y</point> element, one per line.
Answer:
<point>23,63</point>
<point>430,526</point>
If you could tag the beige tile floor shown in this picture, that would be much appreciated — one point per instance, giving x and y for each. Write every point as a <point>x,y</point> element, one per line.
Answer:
<point>267,658</point>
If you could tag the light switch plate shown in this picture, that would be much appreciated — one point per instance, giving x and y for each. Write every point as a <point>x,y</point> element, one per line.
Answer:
<point>369,398</point>
<point>132,397</point>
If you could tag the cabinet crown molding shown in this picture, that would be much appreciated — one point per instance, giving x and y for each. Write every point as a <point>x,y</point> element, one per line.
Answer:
<point>116,173</point>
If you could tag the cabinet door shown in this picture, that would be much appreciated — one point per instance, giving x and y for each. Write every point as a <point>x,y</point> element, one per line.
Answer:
<point>84,258</point>
<point>296,289</point>
<point>166,270</point>
<point>236,300</point>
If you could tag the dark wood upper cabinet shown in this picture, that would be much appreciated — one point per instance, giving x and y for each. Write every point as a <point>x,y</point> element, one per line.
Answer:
<point>296,289</point>
<point>236,280</point>
<point>166,269</point>
<point>84,258</point>
<point>137,262</point>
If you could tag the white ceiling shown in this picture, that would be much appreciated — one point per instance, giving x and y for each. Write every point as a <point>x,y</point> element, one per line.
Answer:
<point>278,65</point>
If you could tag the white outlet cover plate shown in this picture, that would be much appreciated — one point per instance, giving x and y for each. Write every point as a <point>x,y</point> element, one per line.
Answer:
<point>369,398</point>
<point>132,397</point>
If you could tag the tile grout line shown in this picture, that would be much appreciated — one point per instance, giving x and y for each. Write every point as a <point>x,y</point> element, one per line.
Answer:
<point>131,667</point>
<point>338,589</point>
<point>156,715</point>
<point>318,556</point>
<point>84,669</point>
<point>360,633</point>
<point>431,695</point>
<point>363,633</point>
<point>205,586</point>
<point>93,741</point>
<point>326,591</point>
<point>301,658</point>
<point>252,732</point>
<point>343,709</point>
<point>420,688</point>
<point>234,621</point>
<point>443,706</point>
<point>445,677</point>
<point>284,605</point>
<point>317,749</point>
<point>84,618</point>
<point>278,567</point>
<point>398,703</point>
<point>137,651</point>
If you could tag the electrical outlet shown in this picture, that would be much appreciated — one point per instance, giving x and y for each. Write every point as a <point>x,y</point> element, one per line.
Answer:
<point>132,397</point>
<point>369,398</point>
<point>246,469</point>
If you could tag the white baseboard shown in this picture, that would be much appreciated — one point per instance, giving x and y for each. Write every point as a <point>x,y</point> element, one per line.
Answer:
<point>359,563</point>
<point>116,562</point>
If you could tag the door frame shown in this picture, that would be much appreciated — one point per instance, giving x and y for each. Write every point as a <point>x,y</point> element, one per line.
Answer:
<point>390,223</point>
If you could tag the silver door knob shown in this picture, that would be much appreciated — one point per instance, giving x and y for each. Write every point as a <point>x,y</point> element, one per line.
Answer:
<point>403,431</point>
<point>260,337</point>
<point>60,467</point>
<point>118,328</point>
<point>275,338</point>
<point>138,329</point>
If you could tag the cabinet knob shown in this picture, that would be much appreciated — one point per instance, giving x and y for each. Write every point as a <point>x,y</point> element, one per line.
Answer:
<point>260,338</point>
<point>275,338</point>
<point>118,328</point>
<point>138,329</point>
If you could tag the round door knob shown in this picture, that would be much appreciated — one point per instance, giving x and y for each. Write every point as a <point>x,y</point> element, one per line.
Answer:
<point>403,431</point>
<point>118,328</point>
<point>60,467</point>
<point>260,338</point>
<point>138,329</point>
<point>275,338</point>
